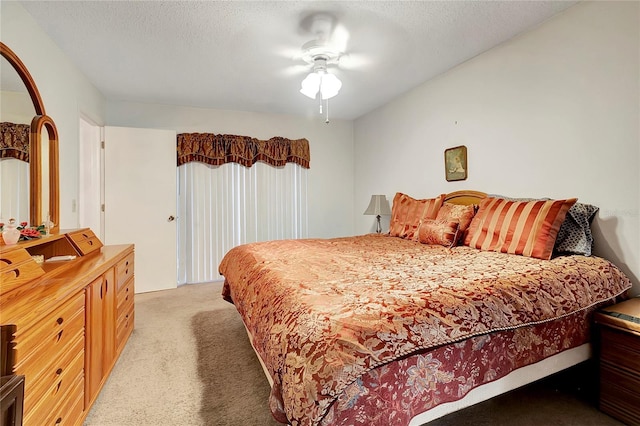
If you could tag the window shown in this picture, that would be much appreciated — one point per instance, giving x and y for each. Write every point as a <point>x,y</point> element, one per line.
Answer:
<point>228,205</point>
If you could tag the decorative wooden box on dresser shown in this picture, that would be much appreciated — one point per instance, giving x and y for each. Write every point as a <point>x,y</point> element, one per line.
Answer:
<point>72,317</point>
<point>619,347</point>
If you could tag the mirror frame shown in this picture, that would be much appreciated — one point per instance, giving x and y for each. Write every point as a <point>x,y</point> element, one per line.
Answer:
<point>35,160</point>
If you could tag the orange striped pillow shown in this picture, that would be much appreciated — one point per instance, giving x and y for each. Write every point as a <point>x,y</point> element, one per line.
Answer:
<point>527,228</point>
<point>407,214</point>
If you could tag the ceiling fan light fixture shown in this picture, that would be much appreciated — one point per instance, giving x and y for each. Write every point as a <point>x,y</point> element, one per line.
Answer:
<point>330,85</point>
<point>320,81</point>
<point>310,85</point>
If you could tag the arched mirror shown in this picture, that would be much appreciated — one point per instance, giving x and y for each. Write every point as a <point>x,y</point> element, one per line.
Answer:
<point>41,154</point>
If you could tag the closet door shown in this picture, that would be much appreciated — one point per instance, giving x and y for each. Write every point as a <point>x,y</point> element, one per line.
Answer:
<point>140,201</point>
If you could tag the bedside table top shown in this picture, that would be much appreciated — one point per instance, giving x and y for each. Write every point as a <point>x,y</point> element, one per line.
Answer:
<point>625,315</point>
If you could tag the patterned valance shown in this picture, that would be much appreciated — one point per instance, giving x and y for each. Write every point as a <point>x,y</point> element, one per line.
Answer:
<point>14,142</point>
<point>215,150</point>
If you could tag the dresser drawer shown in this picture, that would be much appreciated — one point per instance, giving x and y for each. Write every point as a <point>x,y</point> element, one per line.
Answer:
<point>70,413</point>
<point>36,363</point>
<point>125,296</point>
<point>125,327</point>
<point>124,270</point>
<point>85,241</point>
<point>52,404</point>
<point>52,333</point>
<point>620,393</point>
<point>620,348</point>
<point>37,385</point>
<point>17,267</point>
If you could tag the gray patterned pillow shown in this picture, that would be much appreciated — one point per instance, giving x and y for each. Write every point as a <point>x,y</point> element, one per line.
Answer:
<point>575,233</point>
<point>574,236</point>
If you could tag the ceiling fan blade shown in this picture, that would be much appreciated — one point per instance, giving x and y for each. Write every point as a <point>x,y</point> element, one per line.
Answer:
<point>339,38</point>
<point>295,70</point>
<point>288,52</point>
<point>355,61</point>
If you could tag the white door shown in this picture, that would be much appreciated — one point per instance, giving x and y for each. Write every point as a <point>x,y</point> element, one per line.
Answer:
<point>91,178</point>
<point>140,201</point>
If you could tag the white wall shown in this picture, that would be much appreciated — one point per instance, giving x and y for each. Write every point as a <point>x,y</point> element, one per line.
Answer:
<point>330,185</point>
<point>16,107</point>
<point>554,112</point>
<point>65,92</point>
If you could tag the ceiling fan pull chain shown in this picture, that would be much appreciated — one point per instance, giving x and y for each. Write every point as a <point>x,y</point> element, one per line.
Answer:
<point>327,109</point>
<point>319,94</point>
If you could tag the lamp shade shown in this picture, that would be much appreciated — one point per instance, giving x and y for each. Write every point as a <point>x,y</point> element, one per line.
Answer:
<point>320,81</point>
<point>310,85</point>
<point>378,206</point>
<point>330,86</point>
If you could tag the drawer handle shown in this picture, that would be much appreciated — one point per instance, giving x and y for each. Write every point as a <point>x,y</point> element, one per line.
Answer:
<point>126,272</point>
<point>59,420</point>
<point>85,235</point>
<point>59,371</point>
<point>60,335</point>
<point>106,288</point>
<point>9,262</point>
<point>126,298</point>
<point>90,242</point>
<point>127,263</point>
<point>60,321</point>
<point>58,387</point>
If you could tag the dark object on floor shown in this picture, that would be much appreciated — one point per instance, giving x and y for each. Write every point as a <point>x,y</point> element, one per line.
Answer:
<point>11,385</point>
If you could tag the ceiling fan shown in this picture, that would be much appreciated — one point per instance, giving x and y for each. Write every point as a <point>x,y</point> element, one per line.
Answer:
<point>321,54</point>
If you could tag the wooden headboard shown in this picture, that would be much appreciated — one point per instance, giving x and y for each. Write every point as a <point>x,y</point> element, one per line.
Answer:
<point>464,197</point>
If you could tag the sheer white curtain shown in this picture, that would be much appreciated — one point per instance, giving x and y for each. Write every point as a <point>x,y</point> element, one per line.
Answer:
<point>228,205</point>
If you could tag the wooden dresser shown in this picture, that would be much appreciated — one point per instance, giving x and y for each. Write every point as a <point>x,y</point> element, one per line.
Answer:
<point>619,350</point>
<point>72,317</point>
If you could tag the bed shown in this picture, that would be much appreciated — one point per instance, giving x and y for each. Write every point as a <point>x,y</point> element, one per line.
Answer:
<point>465,298</point>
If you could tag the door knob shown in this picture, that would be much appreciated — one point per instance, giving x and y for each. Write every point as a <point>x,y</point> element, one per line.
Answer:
<point>171,219</point>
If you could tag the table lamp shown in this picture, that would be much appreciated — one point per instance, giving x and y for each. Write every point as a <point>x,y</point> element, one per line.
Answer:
<point>378,206</point>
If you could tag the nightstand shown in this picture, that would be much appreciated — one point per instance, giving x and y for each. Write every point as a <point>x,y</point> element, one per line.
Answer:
<point>619,349</point>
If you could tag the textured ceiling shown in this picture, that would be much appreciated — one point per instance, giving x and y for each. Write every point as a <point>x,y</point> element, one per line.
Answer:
<point>241,55</point>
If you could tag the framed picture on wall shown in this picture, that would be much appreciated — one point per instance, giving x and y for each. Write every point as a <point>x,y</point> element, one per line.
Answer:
<point>455,163</point>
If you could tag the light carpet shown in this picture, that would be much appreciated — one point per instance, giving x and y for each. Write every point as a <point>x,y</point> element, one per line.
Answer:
<point>188,362</point>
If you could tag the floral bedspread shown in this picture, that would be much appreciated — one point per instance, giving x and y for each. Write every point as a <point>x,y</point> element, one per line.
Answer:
<point>324,312</point>
<point>392,394</point>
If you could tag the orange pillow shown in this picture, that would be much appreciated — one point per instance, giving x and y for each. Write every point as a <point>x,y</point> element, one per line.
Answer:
<point>458,213</point>
<point>527,228</point>
<point>442,232</point>
<point>407,213</point>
